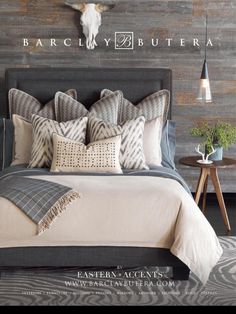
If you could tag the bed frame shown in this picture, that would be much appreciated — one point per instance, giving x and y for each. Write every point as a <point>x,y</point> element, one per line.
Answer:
<point>42,83</point>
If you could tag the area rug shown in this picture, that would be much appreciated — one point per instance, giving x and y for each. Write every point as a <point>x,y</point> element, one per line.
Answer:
<point>147,286</point>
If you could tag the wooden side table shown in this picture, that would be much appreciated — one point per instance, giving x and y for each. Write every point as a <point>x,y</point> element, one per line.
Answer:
<point>212,172</point>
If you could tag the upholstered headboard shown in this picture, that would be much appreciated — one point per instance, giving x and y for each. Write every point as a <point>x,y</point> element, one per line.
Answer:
<point>43,83</point>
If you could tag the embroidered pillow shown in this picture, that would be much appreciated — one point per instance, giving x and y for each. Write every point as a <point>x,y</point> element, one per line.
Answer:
<point>107,108</point>
<point>72,156</point>
<point>6,142</point>
<point>131,152</point>
<point>25,105</point>
<point>43,129</point>
<point>151,107</point>
<point>23,140</point>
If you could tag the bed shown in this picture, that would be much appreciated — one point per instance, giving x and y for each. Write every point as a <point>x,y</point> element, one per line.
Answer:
<point>43,83</point>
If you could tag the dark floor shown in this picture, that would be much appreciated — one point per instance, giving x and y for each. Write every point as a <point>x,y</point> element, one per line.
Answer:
<point>214,216</point>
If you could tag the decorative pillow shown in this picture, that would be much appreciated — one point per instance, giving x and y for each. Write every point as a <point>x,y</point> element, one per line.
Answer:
<point>23,139</point>
<point>6,142</point>
<point>168,144</point>
<point>151,107</point>
<point>43,129</point>
<point>25,105</point>
<point>99,129</point>
<point>106,108</point>
<point>152,142</point>
<point>73,156</point>
<point>131,152</point>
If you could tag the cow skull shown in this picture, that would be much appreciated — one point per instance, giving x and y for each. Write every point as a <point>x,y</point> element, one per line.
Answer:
<point>90,20</point>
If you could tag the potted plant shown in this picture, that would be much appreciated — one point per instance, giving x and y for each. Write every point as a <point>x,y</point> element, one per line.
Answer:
<point>219,135</point>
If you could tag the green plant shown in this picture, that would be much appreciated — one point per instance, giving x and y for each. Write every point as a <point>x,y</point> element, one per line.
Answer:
<point>221,134</point>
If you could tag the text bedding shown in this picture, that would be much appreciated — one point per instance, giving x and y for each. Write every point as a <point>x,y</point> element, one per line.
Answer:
<point>137,209</point>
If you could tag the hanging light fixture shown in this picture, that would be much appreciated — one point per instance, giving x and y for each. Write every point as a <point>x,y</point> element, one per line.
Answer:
<point>205,88</point>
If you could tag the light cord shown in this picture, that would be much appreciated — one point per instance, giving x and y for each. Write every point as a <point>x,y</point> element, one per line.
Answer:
<point>206,38</point>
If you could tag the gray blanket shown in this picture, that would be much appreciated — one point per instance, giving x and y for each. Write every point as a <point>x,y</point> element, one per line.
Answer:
<point>42,201</point>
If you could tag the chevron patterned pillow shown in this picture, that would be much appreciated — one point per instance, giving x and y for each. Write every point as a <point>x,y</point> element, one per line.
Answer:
<point>151,107</point>
<point>43,129</point>
<point>106,108</point>
<point>131,152</point>
<point>25,105</point>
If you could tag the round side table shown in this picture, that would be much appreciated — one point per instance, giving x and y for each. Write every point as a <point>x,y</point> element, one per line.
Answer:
<point>211,171</point>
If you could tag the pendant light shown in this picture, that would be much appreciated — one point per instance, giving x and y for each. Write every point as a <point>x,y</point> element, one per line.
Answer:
<point>204,95</point>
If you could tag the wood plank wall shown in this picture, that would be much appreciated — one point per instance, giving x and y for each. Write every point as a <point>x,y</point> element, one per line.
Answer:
<point>159,19</point>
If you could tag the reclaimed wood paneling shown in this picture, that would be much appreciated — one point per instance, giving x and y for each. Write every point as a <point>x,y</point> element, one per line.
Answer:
<point>148,19</point>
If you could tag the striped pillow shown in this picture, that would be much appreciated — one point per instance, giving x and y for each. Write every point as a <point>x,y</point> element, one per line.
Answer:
<point>25,105</point>
<point>43,129</point>
<point>151,107</point>
<point>131,152</point>
<point>107,108</point>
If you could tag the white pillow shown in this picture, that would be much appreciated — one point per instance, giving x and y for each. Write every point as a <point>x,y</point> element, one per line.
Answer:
<point>23,139</point>
<point>73,156</point>
<point>152,142</point>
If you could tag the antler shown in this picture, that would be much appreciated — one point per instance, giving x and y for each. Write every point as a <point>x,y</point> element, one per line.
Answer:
<point>213,150</point>
<point>197,149</point>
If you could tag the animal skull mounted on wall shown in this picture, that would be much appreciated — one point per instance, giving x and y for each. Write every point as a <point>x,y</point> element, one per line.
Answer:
<point>90,20</point>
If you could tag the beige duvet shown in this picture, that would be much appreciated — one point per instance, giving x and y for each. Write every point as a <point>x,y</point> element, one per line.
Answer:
<point>122,211</point>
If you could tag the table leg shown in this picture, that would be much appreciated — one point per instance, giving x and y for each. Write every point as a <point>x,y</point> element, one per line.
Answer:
<point>200,184</point>
<point>205,194</point>
<point>217,187</point>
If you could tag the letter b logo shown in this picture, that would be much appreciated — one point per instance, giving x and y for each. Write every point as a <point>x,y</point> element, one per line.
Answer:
<point>124,40</point>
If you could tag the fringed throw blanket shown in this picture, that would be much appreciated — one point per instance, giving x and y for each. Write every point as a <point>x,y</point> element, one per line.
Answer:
<point>42,201</point>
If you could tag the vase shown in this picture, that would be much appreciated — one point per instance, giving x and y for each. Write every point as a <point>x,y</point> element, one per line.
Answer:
<point>218,155</point>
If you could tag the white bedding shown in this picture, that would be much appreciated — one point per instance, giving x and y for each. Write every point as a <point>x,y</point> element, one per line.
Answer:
<point>122,211</point>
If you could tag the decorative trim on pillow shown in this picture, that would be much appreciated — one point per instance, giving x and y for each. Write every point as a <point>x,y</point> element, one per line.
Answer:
<point>25,105</point>
<point>106,108</point>
<point>67,108</point>
<point>43,129</point>
<point>6,142</point>
<point>151,107</point>
<point>72,156</point>
<point>131,152</point>
<point>23,140</point>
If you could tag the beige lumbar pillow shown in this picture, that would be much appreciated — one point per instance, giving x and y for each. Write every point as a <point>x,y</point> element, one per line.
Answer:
<point>23,139</point>
<point>73,156</point>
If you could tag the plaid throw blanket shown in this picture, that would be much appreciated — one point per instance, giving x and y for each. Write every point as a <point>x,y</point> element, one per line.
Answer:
<point>42,201</point>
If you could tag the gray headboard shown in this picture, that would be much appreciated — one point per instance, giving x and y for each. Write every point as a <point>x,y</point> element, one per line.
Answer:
<point>43,83</point>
